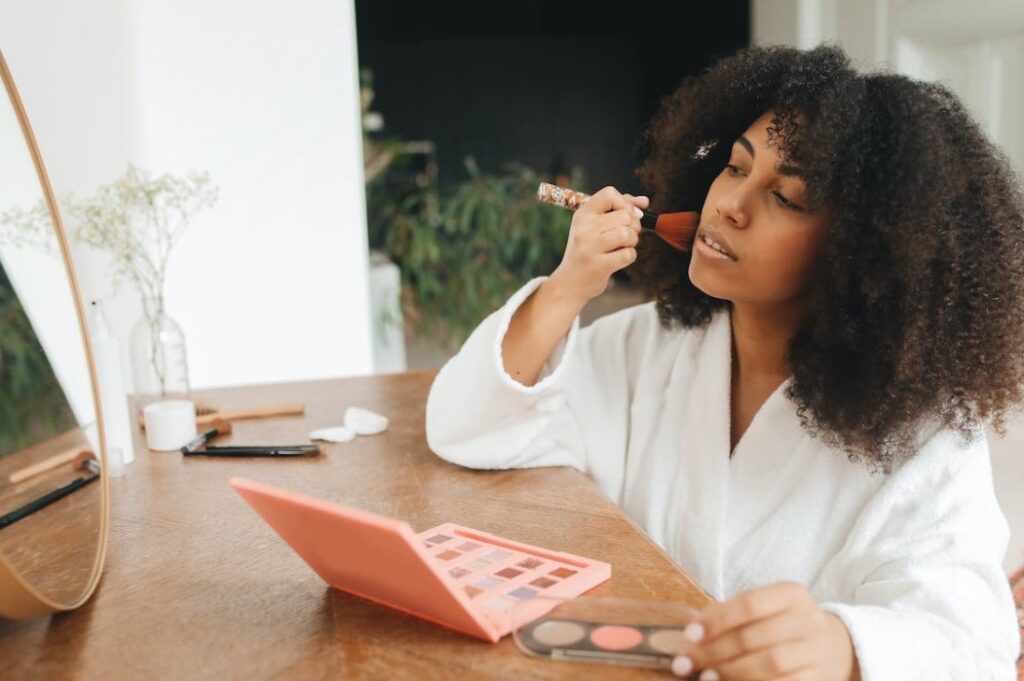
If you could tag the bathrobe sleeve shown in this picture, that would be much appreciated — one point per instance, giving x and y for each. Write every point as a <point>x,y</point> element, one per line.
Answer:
<point>479,416</point>
<point>924,593</point>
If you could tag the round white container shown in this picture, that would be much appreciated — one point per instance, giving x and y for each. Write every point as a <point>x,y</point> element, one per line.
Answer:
<point>170,424</point>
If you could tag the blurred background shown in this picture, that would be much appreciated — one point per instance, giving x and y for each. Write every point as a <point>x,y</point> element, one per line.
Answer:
<point>359,174</point>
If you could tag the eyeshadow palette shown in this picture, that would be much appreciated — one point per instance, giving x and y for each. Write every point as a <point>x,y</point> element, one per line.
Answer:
<point>464,579</point>
<point>608,630</point>
<point>498,575</point>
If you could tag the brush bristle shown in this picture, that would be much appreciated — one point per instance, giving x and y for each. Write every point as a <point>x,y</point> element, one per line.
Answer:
<point>223,427</point>
<point>678,229</point>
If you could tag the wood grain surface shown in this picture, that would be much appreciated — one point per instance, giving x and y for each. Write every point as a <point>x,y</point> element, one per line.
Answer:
<point>196,586</point>
<point>54,548</point>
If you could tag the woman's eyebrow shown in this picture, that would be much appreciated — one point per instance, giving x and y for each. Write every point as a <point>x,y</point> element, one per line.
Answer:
<point>782,169</point>
<point>745,143</point>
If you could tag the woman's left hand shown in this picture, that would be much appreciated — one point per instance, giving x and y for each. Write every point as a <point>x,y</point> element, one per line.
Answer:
<point>777,632</point>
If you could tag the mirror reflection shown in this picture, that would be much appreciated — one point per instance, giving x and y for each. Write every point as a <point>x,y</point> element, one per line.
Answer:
<point>50,496</point>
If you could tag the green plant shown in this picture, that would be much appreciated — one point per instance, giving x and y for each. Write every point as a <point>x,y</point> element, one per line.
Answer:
<point>32,403</point>
<point>463,251</point>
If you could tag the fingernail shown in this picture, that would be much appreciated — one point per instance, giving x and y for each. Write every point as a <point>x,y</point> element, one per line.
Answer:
<point>682,665</point>
<point>694,632</point>
<point>639,213</point>
<point>709,675</point>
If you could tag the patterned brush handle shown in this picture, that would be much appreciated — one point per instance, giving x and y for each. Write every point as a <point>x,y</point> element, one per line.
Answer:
<point>560,196</point>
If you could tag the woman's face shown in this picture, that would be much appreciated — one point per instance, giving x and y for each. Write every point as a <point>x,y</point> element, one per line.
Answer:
<point>756,209</point>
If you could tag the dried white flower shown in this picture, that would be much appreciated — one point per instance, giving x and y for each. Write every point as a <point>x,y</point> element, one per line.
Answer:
<point>138,220</point>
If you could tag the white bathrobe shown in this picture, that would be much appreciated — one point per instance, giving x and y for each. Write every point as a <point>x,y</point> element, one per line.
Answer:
<point>911,561</point>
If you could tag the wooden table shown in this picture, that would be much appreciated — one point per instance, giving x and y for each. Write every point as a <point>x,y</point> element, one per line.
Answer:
<point>196,586</point>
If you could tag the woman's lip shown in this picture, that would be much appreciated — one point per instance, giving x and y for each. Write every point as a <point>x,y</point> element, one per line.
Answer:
<point>719,238</point>
<point>706,251</point>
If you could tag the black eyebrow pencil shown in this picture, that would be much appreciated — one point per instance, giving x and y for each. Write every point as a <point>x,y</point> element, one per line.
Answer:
<point>254,450</point>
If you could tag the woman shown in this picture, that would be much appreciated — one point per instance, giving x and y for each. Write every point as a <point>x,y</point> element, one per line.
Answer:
<point>797,417</point>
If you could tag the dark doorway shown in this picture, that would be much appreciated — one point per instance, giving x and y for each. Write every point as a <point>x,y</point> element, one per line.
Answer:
<point>548,85</point>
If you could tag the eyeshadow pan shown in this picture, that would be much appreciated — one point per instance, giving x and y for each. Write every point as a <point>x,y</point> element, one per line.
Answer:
<point>478,565</point>
<point>438,539</point>
<point>448,555</point>
<point>459,572</point>
<point>522,592</point>
<point>668,641</point>
<point>468,546</point>
<point>543,582</point>
<point>613,637</point>
<point>558,633</point>
<point>472,590</point>
<point>488,583</point>
<point>497,555</point>
<point>508,573</point>
<point>562,573</point>
<point>530,563</point>
<point>500,604</point>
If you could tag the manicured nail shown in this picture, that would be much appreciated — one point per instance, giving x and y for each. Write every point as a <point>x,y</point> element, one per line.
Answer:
<point>694,632</point>
<point>639,213</point>
<point>682,665</point>
<point>709,675</point>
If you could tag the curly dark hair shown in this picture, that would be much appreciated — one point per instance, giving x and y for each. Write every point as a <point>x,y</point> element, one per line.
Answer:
<point>918,310</point>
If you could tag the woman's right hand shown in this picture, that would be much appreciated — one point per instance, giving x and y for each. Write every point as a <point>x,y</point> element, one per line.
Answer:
<point>602,240</point>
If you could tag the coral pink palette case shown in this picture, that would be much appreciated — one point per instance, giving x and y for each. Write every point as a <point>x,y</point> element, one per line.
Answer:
<point>461,578</point>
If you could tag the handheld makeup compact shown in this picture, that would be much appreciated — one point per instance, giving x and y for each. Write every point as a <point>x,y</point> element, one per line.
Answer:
<point>607,630</point>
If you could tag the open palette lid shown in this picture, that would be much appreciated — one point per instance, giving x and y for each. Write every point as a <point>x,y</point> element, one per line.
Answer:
<point>368,555</point>
<point>605,629</point>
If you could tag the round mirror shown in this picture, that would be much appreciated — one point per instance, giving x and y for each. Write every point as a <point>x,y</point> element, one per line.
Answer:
<point>53,486</point>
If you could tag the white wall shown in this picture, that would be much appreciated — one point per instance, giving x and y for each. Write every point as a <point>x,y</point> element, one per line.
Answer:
<point>271,284</point>
<point>859,25</point>
<point>78,95</point>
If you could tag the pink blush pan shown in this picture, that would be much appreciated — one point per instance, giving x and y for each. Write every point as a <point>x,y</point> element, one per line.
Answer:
<point>612,637</point>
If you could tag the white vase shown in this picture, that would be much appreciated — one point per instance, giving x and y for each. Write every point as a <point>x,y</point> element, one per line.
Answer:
<point>386,315</point>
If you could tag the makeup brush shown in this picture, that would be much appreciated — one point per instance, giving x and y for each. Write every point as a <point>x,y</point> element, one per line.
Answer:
<point>677,229</point>
<point>75,455</point>
<point>256,413</point>
<point>219,428</point>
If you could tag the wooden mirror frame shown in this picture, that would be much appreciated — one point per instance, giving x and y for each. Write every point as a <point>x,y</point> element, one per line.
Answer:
<point>18,598</point>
